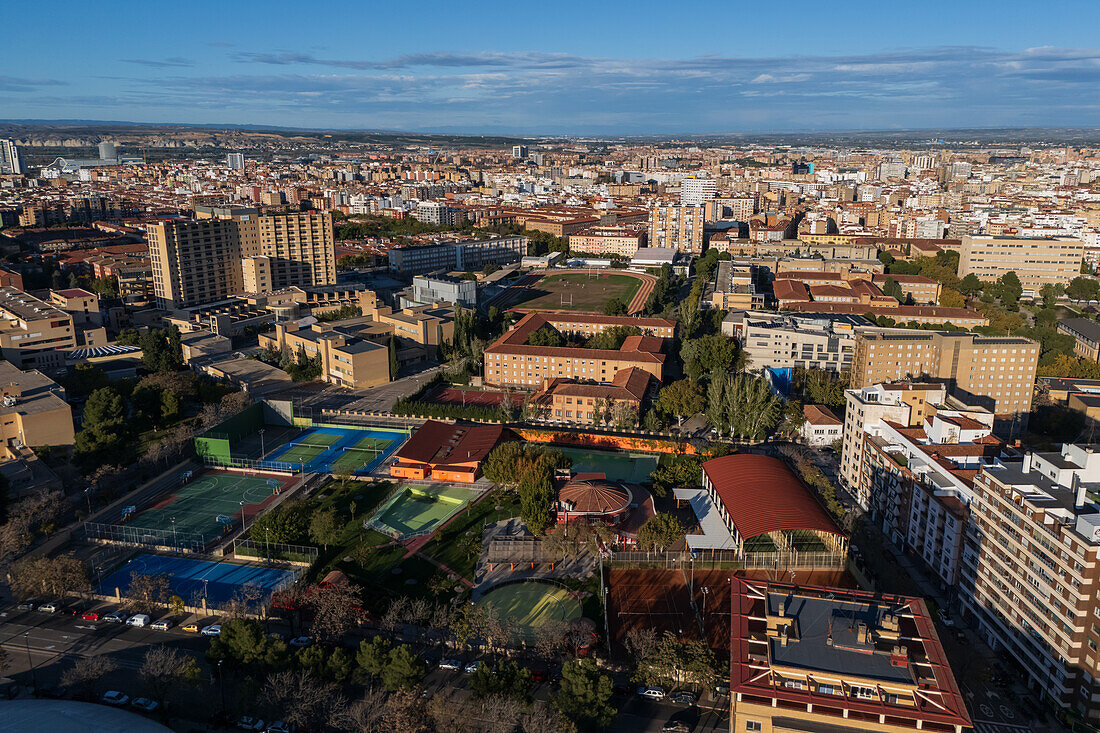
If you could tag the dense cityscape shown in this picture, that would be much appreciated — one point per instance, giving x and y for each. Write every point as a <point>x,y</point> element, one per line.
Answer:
<point>585,368</point>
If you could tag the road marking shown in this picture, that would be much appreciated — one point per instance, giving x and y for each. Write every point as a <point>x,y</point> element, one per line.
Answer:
<point>996,726</point>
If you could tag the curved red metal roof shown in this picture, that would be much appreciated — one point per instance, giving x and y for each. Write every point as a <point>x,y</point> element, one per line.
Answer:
<point>762,495</point>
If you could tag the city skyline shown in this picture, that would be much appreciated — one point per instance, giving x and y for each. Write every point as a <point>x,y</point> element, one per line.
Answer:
<point>582,70</point>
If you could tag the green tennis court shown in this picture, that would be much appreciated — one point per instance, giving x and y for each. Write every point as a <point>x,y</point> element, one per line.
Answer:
<point>634,468</point>
<point>360,455</point>
<point>532,604</point>
<point>196,506</point>
<point>415,510</point>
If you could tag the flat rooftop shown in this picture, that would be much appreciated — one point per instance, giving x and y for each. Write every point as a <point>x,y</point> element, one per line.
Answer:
<point>818,619</point>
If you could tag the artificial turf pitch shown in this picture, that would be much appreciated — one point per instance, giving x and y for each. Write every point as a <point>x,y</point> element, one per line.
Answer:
<point>360,455</point>
<point>580,291</point>
<point>195,506</point>
<point>531,605</point>
<point>415,510</point>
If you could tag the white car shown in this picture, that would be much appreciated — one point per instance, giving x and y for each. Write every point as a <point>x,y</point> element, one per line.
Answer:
<point>144,703</point>
<point>247,722</point>
<point>279,727</point>
<point>162,625</point>
<point>452,664</point>
<point>300,641</point>
<point>50,607</point>
<point>473,666</point>
<point>138,619</point>
<point>114,697</point>
<point>212,630</point>
<point>653,693</point>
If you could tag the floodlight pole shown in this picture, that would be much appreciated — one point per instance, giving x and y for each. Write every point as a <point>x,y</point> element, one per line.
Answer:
<point>262,451</point>
<point>27,644</point>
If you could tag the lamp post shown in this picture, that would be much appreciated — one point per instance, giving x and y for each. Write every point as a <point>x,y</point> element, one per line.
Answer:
<point>30,663</point>
<point>242,515</point>
<point>221,684</point>
<point>262,451</point>
<point>706,590</point>
<point>175,540</point>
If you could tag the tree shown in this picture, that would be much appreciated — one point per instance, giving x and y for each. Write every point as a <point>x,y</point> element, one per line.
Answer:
<point>660,531</point>
<point>89,675</point>
<point>169,407</point>
<point>167,669</point>
<point>241,642</point>
<point>324,528</point>
<point>546,335</point>
<point>950,298</point>
<point>681,399</point>
<point>614,307</point>
<point>970,285</point>
<point>1050,294</point>
<point>105,406</point>
<point>1083,288</point>
<point>302,699</point>
<point>373,656</point>
<point>536,494</point>
<point>335,611</point>
<point>585,695</point>
<point>673,662</point>
<point>403,669</point>
<point>1010,290</point>
<point>148,590</point>
<point>612,339</point>
<point>51,577</point>
<point>753,409</point>
<point>395,364</point>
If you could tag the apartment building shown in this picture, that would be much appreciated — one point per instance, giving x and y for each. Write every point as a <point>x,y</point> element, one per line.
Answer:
<point>1031,570</point>
<point>299,249</point>
<point>919,480</point>
<point>997,371</point>
<point>837,661</point>
<point>511,362</point>
<point>697,191</point>
<point>33,333</point>
<point>194,262</point>
<point>1037,261</point>
<point>467,255</point>
<point>621,241</point>
<point>865,411</point>
<point>735,288</point>
<point>33,412</point>
<point>346,360</point>
<point>677,227</point>
<point>923,290</point>
<point>794,340</point>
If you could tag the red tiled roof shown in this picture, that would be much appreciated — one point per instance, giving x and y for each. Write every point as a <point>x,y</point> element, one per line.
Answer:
<point>438,443</point>
<point>820,415</point>
<point>762,495</point>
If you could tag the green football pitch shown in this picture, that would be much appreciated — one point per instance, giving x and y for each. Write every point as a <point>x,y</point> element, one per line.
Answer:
<point>360,455</point>
<point>533,604</point>
<point>415,510</point>
<point>580,291</point>
<point>196,506</point>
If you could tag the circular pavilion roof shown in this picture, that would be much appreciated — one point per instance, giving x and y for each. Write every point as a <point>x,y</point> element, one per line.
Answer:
<point>594,496</point>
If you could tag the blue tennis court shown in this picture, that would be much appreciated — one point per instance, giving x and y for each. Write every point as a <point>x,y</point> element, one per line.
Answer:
<point>329,449</point>
<point>191,580</point>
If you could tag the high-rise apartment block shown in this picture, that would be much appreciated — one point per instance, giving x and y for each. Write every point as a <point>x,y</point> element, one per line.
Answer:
<point>235,161</point>
<point>677,227</point>
<point>697,191</point>
<point>1031,571</point>
<point>997,372</point>
<point>11,162</point>
<point>1037,261</point>
<point>472,254</point>
<point>226,251</point>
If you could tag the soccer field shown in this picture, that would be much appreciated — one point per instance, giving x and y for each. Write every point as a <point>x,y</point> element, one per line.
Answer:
<point>532,605</point>
<point>579,291</point>
<point>196,506</point>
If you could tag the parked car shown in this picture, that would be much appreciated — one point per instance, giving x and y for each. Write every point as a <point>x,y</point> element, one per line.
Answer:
<point>191,628</point>
<point>300,641</point>
<point>163,625</point>
<point>138,619</point>
<point>50,607</point>
<point>114,697</point>
<point>451,664</point>
<point>653,693</point>
<point>212,630</point>
<point>945,618</point>
<point>90,615</point>
<point>279,727</point>
<point>144,703</point>
<point>473,666</point>
<point>246,722</point>
<point>115,617</point>
<point>675,726</point>
<point>721,689</point>
<point>683,697</point>
<point>682,722</point>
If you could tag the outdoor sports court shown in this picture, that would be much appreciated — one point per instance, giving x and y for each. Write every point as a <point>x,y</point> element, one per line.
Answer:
<point>585,291</point>
<point>339,450</point>
<point>217,582</point>
<point>633,468</point>
<point>531,605</point>
<point>417,511</point>
<point>657,599</point>
<point>208,503</point>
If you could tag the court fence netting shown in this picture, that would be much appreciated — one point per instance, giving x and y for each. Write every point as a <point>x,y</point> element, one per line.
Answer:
<point>297,554</point>
<point>253,464</point>
<point>168,539</point>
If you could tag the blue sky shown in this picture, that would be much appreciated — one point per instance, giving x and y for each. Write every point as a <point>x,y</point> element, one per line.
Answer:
<point>556,68</point>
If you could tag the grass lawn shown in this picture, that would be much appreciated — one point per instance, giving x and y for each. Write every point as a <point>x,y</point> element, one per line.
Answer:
<point>459,543</point>
<point>588,293</point>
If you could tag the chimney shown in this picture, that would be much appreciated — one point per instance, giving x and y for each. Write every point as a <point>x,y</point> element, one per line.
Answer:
<point>1078,488</point>
<point>1026,468</point>
<point>783,636</point>
<point>782,608</point>
<point>861,633</point>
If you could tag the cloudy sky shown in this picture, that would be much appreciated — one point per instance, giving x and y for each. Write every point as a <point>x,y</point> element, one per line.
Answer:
<point>556,68</point>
